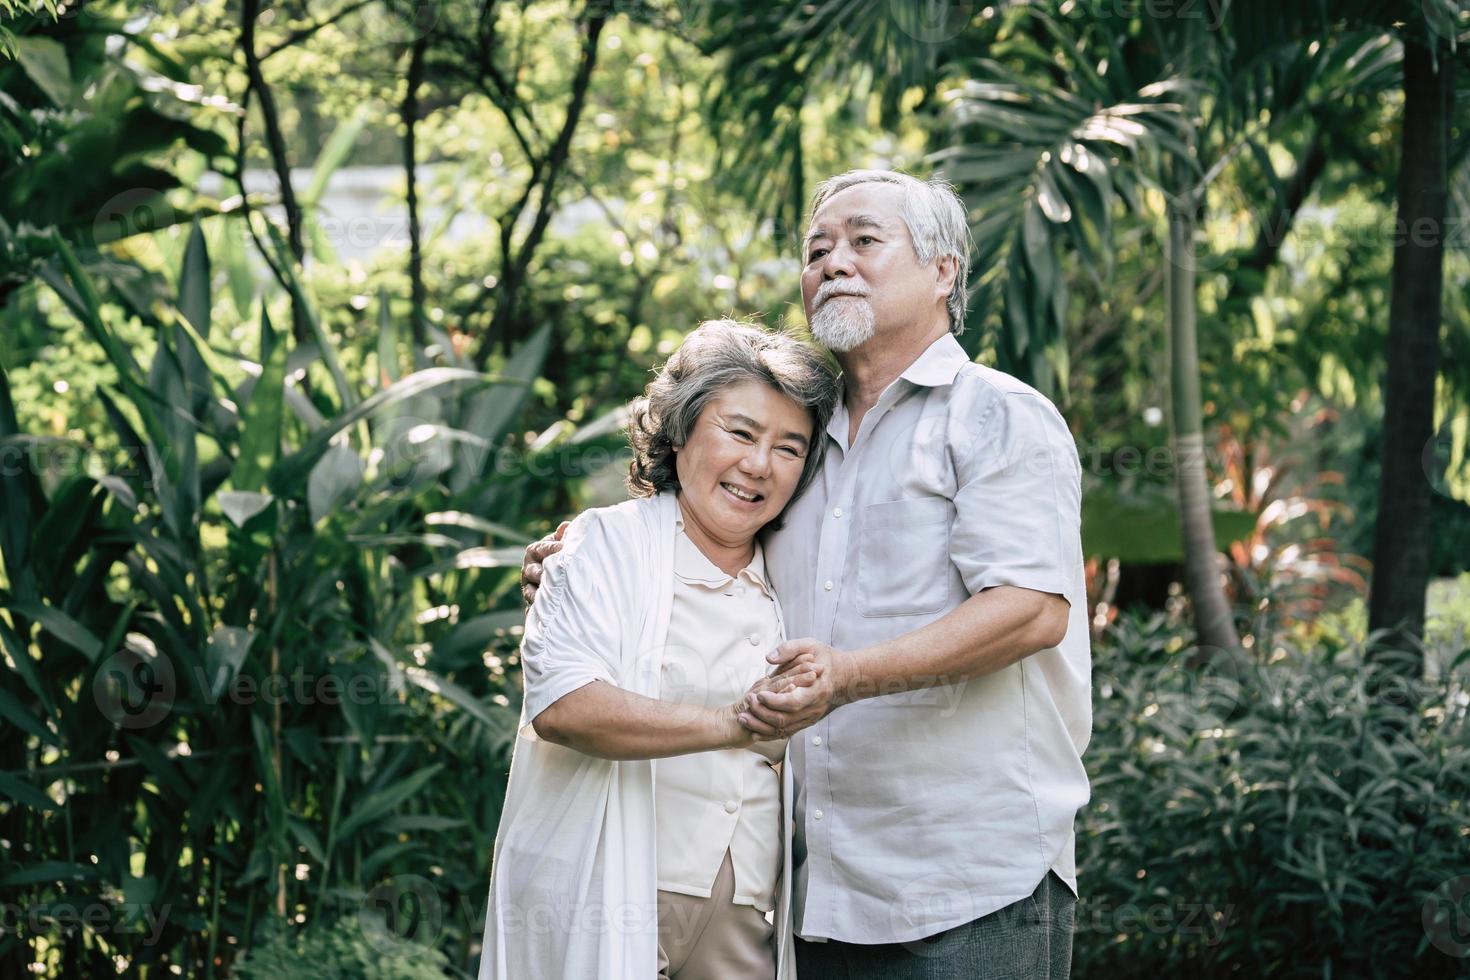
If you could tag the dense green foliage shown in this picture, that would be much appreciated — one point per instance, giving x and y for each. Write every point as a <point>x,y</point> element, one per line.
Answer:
<point>1272,816</point>
<point>266,468</point>
<point>342,952</point>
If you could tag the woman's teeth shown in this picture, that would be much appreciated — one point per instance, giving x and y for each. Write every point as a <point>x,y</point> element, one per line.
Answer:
<point>743,495</point>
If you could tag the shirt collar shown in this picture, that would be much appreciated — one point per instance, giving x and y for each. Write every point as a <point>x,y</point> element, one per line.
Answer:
<point>693,566</point>
<point>938,365</point>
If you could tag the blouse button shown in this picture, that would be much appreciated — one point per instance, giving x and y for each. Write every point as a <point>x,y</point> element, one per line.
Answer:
<point>816,814</point>
<point>731,806</point>
<point>816,740</point>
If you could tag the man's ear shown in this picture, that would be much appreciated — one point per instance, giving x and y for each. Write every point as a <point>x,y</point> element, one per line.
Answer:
<point>946,269</point>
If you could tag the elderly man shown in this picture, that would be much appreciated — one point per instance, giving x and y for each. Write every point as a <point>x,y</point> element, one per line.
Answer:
<point>934,569</point>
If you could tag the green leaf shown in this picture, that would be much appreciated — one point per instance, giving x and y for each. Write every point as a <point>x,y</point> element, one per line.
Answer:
<point>179,501</point>
<point>25,794</point>
<point>81,297</point>
<point>475,558</point>
<point>458,696</point>
<point>471,522</point>
<point>386,853</point>
<point>44,60</point>
<point>161,768</point>
<point>474,635</point>
<point>72,512</point>
<point>380,803</point>
<point>223,655</point>
<point>336,475</point>
<point>265,770</point>
<point>194,282</point>
<point>333,154</point>
<point>287,263</point>
<point>291,470</point>
<point>19,716</point>
<point>237,268</point>
<point>25,665</point>
<point>240,506</point>
<point>492,411</point>
<point>19,492</point>
<point>62,626</point>
<point>416,822</point>
<point>307,838</point>
<point>260,437</point>
<point>387,339</point>
<point>48,871</point>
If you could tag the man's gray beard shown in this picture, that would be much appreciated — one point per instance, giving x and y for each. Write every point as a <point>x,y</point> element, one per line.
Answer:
<point>842,326</point>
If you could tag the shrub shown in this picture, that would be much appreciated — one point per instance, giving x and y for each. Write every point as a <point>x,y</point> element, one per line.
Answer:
<point>346,950</point>
<point>1281,815</point>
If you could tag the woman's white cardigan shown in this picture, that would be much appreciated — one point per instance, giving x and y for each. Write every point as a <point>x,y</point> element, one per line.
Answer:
<point>573,886</point>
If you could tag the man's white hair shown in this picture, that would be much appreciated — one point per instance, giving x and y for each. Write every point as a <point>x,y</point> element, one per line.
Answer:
<point>935,217</point>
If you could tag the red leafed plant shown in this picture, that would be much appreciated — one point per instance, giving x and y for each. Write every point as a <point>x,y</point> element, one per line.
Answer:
<point>1289,566</point>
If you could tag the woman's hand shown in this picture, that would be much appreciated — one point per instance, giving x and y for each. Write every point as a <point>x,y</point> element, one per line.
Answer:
<point>802,675</point>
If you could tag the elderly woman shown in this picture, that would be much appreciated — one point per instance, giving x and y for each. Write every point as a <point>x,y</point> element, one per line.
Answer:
<point>644,832</point>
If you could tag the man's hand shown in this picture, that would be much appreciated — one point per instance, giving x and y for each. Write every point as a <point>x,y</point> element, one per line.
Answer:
<point>780,714</point>
<point>786,681</point>
<point>536,553</point>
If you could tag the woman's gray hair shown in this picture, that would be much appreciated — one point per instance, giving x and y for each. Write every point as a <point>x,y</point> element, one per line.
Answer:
<point>935,217</point>
<point>716,355</point>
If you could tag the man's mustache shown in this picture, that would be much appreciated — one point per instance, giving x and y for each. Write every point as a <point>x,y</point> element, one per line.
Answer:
<point>836,287</point>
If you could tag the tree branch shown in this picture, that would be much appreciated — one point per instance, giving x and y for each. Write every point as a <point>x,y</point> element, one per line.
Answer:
<point>301,34</point>
<point>555,162</point>
<point>276,142</point>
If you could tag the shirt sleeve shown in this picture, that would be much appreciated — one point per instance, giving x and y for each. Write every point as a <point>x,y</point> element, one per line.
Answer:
<point>574,628</point>
<point>1018,504</point>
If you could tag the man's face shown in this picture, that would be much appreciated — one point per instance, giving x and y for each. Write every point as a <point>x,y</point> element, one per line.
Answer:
<point>861,277</point>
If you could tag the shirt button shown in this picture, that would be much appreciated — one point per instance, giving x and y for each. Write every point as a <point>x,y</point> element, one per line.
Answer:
<point>836,511</point>
<point>755,641</point>
<point>731,806</point>
<point>816,740</point>
<point>816,814</point>
<point>827,586</point>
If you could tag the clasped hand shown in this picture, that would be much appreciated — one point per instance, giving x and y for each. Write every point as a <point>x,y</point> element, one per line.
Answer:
<point>775,711</point>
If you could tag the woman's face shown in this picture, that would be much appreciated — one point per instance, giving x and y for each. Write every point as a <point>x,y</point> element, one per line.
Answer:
<point>742,461</point>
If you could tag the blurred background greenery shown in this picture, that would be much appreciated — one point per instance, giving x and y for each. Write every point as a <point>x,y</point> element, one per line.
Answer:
<point>312,315</point>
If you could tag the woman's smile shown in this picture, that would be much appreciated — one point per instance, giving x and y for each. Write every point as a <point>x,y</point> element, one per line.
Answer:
<point>739,467</point>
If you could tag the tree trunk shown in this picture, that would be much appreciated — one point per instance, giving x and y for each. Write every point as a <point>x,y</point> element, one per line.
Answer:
<point>410,173</point>
<point>1401,537</point>
<point>1213,620</point>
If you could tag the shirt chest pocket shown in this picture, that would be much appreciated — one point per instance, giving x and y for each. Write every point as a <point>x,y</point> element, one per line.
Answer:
<point>903,557</point>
